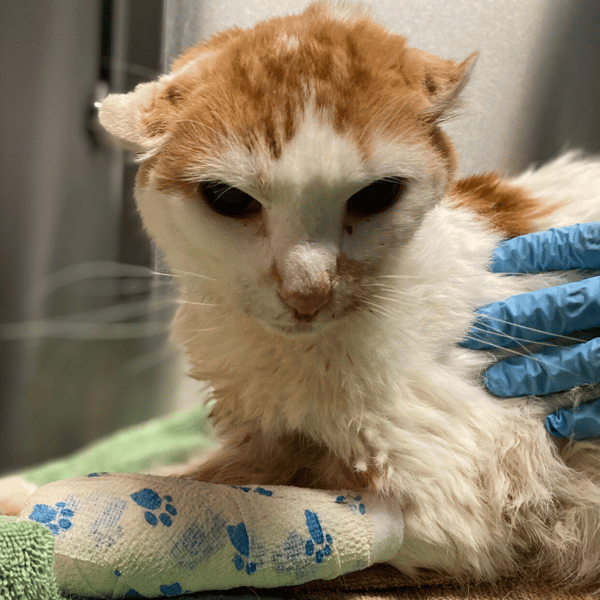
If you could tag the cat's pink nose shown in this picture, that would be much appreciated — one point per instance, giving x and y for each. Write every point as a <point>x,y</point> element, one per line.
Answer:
<point>304,278</point>
<point>307,304</point>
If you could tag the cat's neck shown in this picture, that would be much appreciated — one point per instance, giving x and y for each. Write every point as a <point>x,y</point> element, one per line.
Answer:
<point>280,377</point>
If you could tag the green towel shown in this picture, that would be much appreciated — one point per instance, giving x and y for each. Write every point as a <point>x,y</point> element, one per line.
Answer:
<point>26,561</point>
<point>26,548</point>
<point>139,449</point>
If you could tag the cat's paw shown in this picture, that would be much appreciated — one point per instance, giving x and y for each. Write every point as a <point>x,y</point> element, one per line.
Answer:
<point>14,492</point>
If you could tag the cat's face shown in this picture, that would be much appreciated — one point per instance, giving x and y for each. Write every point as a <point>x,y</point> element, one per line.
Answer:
<point>284,166</point>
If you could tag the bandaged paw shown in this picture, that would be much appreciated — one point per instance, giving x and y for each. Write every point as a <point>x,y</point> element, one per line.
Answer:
<point>126,535</point>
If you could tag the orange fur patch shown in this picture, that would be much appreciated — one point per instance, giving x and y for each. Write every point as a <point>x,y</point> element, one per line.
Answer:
<point>253,86</point>
<point>294,460</point>
<point>507,207</point>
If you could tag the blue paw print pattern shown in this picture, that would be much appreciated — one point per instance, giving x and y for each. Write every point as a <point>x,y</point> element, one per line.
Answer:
<point>56,518</point>
<point>166,591</point>
<point>319,544</point>
<point>258,490</point>
<point>150,500</point>
<point>291,558</point>
<point>238,535</point>
<point>355,504</point>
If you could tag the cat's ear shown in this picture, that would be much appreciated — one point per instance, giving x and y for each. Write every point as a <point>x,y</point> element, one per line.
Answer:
<point>443,81</point>
<point>128,117</point>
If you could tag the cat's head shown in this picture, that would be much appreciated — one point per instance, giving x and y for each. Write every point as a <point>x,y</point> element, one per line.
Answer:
<point>285,165</point>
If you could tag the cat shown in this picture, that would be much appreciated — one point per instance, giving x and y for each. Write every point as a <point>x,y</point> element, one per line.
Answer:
<point>297,178</point>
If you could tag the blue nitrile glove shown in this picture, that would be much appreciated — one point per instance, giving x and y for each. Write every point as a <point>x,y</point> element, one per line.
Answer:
<point>543,314</point>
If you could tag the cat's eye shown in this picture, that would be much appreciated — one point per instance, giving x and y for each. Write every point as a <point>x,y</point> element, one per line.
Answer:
<point>229,201</point>
<point>377,197</point>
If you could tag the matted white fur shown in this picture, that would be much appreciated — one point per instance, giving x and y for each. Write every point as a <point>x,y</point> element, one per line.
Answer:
<point>572,181</point>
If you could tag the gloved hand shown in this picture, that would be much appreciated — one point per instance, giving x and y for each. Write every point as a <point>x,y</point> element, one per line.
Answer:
<point>547,313</point>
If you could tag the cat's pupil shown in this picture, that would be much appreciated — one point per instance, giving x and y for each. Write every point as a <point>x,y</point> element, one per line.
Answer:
<point>377,197</point>
<point>229,201</point>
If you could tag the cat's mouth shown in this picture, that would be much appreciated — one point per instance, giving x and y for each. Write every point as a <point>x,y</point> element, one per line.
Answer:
<point>299,324</point>
<point>304,317</point>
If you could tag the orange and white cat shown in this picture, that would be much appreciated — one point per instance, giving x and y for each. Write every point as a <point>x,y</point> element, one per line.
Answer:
<point>299,182</point>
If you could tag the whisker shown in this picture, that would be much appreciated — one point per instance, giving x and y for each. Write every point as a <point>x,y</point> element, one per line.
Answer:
<point>83,271</point>
<point>461,277</point>
<point>388,299</point>
<point>119,312</point>
<point>548,334</point>
<point>197,333</point>
<point>160,274</point>
<point>389,288</point>
<point>101,323</point>
<point>378,308</point>
<point>198,275</point>
<point>523,342</point>
<point>383,289</point>
<point>182,301</point>
<point>519,353</point>
<point>129,67</point>
<point>401,277</point>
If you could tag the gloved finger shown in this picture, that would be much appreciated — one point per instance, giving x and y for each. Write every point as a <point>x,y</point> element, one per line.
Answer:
<point>547,372</point>
<point>579,422</point>
<point>574,247</point>
<point>549,312</point>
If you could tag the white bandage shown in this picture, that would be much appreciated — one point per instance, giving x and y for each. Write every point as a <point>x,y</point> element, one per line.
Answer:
<point>124,534</point>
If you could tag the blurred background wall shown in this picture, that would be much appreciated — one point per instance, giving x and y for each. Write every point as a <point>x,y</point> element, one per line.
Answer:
<point>78,321</point>
<point>82,322</point>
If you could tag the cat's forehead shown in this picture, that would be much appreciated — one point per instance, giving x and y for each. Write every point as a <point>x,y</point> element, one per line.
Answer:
<point>258,82</point>
<point>250,93</point>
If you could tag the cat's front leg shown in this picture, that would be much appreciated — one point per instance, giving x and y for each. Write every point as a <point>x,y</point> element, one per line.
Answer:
<point>417,555</point>
<point>288,460</point>
<point>229,466</point>
<point>237,465</point>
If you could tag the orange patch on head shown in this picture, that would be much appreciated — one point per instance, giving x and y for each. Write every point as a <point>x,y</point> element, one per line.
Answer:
<point>253,86</point>
<point>507,207</point>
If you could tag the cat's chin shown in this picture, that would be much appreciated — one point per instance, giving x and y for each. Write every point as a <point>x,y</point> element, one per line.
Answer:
<point>297,329</point>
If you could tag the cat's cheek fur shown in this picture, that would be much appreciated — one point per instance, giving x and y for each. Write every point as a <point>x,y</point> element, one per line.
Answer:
<point>197,246</point>
<point>213,260</point>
